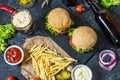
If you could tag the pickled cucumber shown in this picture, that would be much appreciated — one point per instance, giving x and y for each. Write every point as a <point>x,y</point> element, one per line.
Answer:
<point>63,75</point>
<point>25,1</point>
<point>59,77</point>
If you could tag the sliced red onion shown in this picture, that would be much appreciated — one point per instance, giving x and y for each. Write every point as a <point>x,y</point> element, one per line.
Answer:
<point>107,68</point>
<point>107,65</point>
<point>112,60</point>
<point>61,33</point>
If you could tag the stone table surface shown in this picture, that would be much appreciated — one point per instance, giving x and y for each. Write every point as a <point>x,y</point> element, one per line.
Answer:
<point>86,18</point>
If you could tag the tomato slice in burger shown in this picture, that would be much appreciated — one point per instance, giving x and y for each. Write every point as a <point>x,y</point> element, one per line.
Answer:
<point>73,46</point>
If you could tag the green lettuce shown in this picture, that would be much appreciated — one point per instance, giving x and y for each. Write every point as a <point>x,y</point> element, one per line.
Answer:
<point>83,51</point>
<point>108,3</point>
<point>6,31</point>
<point>49,27</point>
<point>70,31</point>
<point>3,45</point>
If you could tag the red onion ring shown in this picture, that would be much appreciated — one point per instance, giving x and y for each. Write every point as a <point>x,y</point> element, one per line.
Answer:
<point>112,60</point>
<point>107,68</point>
<point>107,65</point>
<point>61,33</point>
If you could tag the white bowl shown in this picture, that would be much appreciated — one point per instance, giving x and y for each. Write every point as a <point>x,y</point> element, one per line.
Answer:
<point>22,53</point>
<point>82,67</point>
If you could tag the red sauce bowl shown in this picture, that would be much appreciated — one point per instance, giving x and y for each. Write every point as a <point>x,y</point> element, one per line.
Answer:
<point>13,55</point>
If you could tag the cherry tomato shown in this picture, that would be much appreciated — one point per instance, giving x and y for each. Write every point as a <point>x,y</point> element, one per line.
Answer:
<point>79,9</point>
<point>36,78</point>
<point>10,78</point>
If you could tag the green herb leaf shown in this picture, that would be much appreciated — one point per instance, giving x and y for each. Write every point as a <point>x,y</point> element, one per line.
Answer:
<point>49,27</point>
<point>83,51</point>
<point>7,32</point>
<point>70,31</point>
<point>108,3</point>
<point>3,45</point>
<point>72,23</point>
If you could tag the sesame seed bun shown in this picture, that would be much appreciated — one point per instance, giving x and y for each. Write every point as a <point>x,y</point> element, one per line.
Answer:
<point>84,37</point>
<point>59,19</point>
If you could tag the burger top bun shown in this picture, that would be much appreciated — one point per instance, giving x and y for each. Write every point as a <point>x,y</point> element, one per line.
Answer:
<point>84,37</point>
<point>59,18</point>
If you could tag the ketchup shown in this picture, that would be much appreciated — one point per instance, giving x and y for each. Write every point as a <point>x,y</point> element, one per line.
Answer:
<point>13,55</point>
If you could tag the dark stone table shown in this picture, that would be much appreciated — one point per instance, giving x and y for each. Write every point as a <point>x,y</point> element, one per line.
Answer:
<point>86,18</point>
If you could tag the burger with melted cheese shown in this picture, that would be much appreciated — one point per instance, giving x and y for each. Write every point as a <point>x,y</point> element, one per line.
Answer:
<point>58,21</point>
<point>83,39</point>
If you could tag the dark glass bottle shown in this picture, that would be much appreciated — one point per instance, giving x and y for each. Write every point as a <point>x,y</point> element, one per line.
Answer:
<point>69,3</point>
<point>110,28</point>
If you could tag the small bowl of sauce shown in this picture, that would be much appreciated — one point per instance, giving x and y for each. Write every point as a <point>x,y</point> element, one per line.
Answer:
<point>13,55</point>
<point>81,72</point>
<point>22,20</point>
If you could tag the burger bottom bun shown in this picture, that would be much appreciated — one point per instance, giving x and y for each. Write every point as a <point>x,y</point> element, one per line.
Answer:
<point>84,37</point>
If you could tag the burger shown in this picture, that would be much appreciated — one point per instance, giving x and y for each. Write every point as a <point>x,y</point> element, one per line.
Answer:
<point>58,21</point>
<point>83,39</point>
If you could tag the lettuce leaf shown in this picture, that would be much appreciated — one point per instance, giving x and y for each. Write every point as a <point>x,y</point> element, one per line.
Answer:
<point>49,28</point>
<point>6,31</point>
<point>79,50</point>
<point>83,51</point>
<point>108,3</point>
<point>54,31</point>
<point>70,31</point>
<point>3,45</point>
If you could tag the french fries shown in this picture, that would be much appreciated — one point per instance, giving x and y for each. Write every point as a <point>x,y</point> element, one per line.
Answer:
<point>46,62</point>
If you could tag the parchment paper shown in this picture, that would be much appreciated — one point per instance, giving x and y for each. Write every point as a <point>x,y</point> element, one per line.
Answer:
<point>26,68</point>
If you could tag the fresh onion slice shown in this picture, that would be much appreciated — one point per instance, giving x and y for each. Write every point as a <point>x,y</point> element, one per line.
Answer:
<point>107,65</point>
<point>61,33</point>
<point>107,68</point>
<point>112,60</point>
